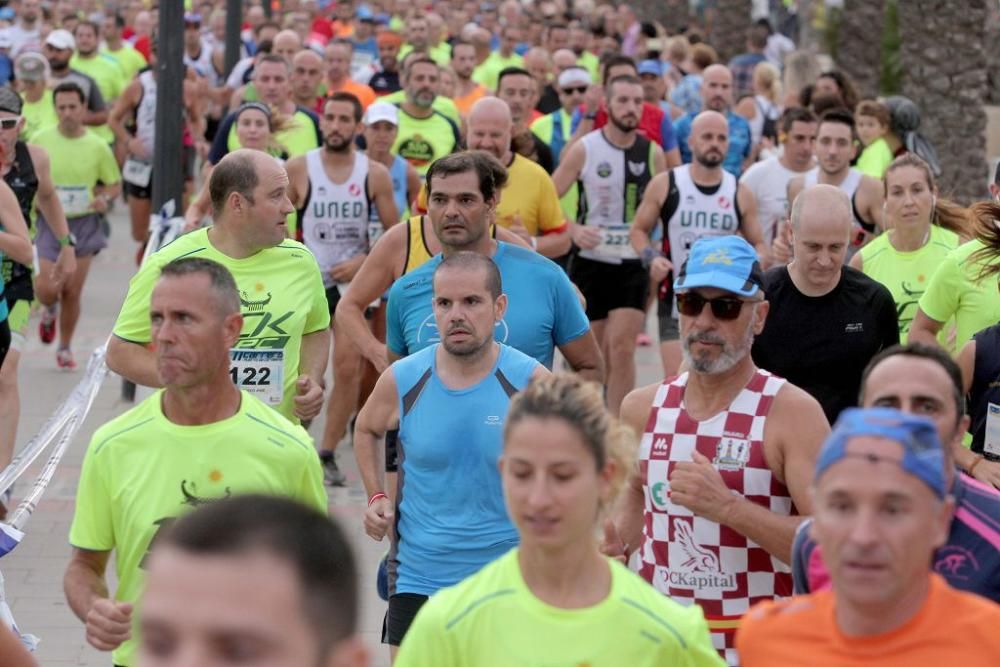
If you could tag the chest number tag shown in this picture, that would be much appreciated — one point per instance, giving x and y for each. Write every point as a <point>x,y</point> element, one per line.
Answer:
<point>260,372</point>
<point>137,172</point>
<point>615,242</point>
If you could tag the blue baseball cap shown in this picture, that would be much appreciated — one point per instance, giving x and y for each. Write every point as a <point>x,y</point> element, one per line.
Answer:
<point>725,262</point>
<point>923,455</point>
<point>364,13</point>
<point>651,67</point>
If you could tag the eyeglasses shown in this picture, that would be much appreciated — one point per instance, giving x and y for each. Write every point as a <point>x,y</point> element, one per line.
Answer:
<point>723,307</point>
<point>9,123</point>
<point>575,89</point>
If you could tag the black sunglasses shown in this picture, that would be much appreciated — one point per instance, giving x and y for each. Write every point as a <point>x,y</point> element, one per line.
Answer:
<point>9,123</point>
<point>575,89</point>
<point>723,307</point>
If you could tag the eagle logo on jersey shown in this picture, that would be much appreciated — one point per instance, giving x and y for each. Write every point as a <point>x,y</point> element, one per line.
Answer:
<point>637,168</point>
<point>699,558</point>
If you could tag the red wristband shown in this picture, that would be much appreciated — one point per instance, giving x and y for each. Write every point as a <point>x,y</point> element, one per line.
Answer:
<point>376,496</point>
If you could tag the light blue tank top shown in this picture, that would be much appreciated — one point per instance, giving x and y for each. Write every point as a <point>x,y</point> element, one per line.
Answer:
<point>451,519</point>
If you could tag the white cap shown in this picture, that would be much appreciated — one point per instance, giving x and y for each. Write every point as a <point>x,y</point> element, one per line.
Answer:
<point>574,75</point>
<point>61,39</point>
<point>382,111</point>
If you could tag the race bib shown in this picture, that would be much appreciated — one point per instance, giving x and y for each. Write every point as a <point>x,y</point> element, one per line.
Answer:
<point>991,442</point>
<point>260,372</point>
<point>615,242</point>
<point>375,232</point>
<point>75,199</point>
<point>137,172</point>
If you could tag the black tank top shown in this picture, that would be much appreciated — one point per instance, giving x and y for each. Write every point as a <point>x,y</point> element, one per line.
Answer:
<point>23,180</point>
<point>985,384</point>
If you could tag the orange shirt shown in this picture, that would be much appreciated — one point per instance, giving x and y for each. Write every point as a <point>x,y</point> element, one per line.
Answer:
<point>952,628</point>
<point>364,93</point>
<point>465,102</point>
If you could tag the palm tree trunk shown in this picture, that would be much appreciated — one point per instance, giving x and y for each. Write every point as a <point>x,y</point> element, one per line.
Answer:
<point>859,43</point>
<point>945,74</point>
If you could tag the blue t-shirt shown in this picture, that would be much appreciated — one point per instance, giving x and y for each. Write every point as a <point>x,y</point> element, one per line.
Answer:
<point>543,310</point>
<point>740,141</point>
<point>451,515</point>
<point>969,561</point>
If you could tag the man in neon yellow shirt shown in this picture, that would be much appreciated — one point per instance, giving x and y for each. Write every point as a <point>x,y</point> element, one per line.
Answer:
<point>130,60</point>
<point>86,179</point>
<point>39,111</point>
<point>418,39</point>
<point>281,355</point>
<point>500,59</point>
<point>104,70</point>
<point>424,134</point>
<point>197,440</point>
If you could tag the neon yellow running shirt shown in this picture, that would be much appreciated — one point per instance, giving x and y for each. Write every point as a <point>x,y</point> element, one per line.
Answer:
<point>141,471</point>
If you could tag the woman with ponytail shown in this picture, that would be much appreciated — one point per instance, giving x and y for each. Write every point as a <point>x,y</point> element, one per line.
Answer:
<point>921,229</point>
<point>965,284</point>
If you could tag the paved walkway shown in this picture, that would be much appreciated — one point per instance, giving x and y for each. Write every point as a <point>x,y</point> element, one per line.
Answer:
<point>34,571</point>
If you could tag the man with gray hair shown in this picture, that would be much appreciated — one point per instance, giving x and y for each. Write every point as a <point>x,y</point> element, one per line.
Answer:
<point>198,439</point>
<point>281,354</point>
<point>827,320</point>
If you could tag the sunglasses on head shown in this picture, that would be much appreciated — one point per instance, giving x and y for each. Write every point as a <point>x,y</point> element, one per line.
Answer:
<point>723,307</point>
<point>575,89</point>
<point>9,123</point>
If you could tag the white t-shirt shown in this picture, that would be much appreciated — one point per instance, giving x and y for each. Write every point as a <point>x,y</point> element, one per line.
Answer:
<point>23,40</point>
<point>768,180</point>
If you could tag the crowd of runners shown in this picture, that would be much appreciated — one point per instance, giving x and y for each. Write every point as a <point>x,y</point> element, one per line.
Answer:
<point>444,228</point>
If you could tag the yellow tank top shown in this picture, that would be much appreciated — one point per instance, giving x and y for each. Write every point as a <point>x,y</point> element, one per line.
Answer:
<point>417,252</point>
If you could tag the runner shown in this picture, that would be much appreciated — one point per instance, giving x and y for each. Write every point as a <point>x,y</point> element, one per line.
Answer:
<point>281,354</point>
<point>693,201</point>
<point>31,71</point>
<point>26,170</point>
<point>768,180</point>
<point>337,62</point>
<point>882,510</point>
<point>467,91</point>
<point>547,313</point>
<point>425,134</point>
<point>725,456</point>
<point>836,139</point>
<point>613,166</point>
<point>519,89</point>
<point>104,70</point>
<point>58,50</point>
<point>198,439</point>
<point>924,381</point>
<point>87,180</point>
<point>138,102</point>
<point>130,60</point>
<point>15,242</point>
<point>448,401</point>
<point>717,95</point>
<point>334,189</point>
<point>957,289</point>
<point>826,320</point>
<point>921,231</point>
<point>381,128</point>
<point>564,458</point>
<point>256,128</point>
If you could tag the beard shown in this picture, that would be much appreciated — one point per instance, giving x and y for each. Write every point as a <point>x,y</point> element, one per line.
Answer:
<point>728,357</point>
<point>710,160</point>
<point>468,348</point>
<point>626,124</point>
<point>337,144</point>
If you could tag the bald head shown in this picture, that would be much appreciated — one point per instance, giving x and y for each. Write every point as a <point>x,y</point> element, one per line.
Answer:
<point>489,127</point>
<point>709,139</point>
<point>236,172</point>
<point>717,88</point>
<point>286,44</point>
<point>825,206</point>
<point>821,230</point>
<point>563,59</point>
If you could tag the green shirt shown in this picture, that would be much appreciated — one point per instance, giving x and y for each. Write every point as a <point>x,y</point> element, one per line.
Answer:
<point>591,63</point>
<point>492,619</point>
<point>110,79</point>
<point>955,291</point>
<point>443,105</point>
<point>38,115</point>
<point>544,129</point>
<point>77,165</point>
<point>130,60</point>
<point>441,54</point>
<point>421,141</point>
<point>489,71</point>
<point>281,296</point>
<point>141,471</point>
<point>875,159</point>
<point>907,274</point>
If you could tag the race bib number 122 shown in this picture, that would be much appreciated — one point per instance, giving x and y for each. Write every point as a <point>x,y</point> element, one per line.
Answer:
<point>260,372</point>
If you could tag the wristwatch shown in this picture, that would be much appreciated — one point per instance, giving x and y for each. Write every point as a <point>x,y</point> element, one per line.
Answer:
<point>68,240</point>
<point>647,256</point>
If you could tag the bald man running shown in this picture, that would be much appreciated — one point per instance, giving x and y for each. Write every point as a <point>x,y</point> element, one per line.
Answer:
<point>717,95</point>
<point>692,201</point>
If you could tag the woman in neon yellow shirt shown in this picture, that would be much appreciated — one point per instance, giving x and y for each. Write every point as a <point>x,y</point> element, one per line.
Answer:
<point>921,230</point>
<point>555,600</point>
